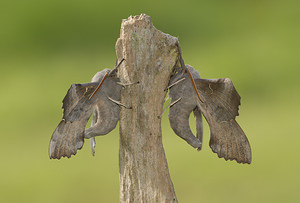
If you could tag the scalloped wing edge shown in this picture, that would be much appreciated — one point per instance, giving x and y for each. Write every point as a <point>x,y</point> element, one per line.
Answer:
<point>229,141</point>
<point>66,139</point>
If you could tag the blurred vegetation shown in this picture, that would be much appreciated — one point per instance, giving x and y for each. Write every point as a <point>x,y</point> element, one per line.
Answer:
<point>45,46</point>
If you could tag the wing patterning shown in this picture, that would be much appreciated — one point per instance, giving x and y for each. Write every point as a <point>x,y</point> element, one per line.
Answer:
<point>220,107</point>
<point>68,137</point>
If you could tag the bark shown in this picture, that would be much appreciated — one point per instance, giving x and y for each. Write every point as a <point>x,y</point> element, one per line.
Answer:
<point>150,58</point>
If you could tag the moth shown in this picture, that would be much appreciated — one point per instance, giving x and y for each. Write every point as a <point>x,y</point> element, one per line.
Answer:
<point>81,101</point>
<point>218,101</point>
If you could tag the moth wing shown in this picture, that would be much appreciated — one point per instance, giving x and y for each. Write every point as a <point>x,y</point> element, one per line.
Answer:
<point>221,98</point>
<point>220,107</point>
<point>229,141</point>
<point>68,137</point>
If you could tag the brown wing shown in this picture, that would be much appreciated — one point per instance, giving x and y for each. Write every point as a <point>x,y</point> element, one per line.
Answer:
<point>220,107</point>
<point>221,98</point>
<point>68,137</point>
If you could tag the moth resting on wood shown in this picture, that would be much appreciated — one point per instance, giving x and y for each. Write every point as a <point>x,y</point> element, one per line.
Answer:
<point>218,101</point>
<point>78,105</point>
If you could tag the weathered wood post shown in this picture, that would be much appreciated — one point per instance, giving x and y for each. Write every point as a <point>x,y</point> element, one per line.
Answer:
<point>150,57</point>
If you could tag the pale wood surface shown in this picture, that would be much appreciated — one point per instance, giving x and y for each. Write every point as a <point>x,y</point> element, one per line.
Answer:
<point>150,58</point>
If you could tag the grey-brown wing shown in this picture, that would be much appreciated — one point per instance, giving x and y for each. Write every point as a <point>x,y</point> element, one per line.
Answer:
<point>229,141</point>
<point>68,137</point>
<point>220,96</point>
<point>220,107</point>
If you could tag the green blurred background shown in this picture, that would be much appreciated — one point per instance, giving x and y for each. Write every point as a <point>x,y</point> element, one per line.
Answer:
<point>45,46</point>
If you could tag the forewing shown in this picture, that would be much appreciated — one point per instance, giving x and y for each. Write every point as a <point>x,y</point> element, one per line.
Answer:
<point>220,107</point>
<point>77,103</point>
<point>220,96</point>
<point>68,137</point>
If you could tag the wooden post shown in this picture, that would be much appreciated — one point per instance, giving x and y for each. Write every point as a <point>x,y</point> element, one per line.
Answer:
<point>150,56</point>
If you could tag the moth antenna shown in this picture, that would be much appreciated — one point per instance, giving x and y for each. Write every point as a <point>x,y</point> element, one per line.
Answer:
<point>107,74</point>
<point>99,85</point>
<point>188,71</point>
<point>194,85</point>
<point>119,103</point>
<point>115,69</point>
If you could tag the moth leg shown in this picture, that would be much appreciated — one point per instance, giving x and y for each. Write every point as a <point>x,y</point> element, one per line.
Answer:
<point>166,99</point>
<point>174,102</point>
<point>169,106</point>
<point>128,84</point>
<point>175,83</point>
<point>119,103</point>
